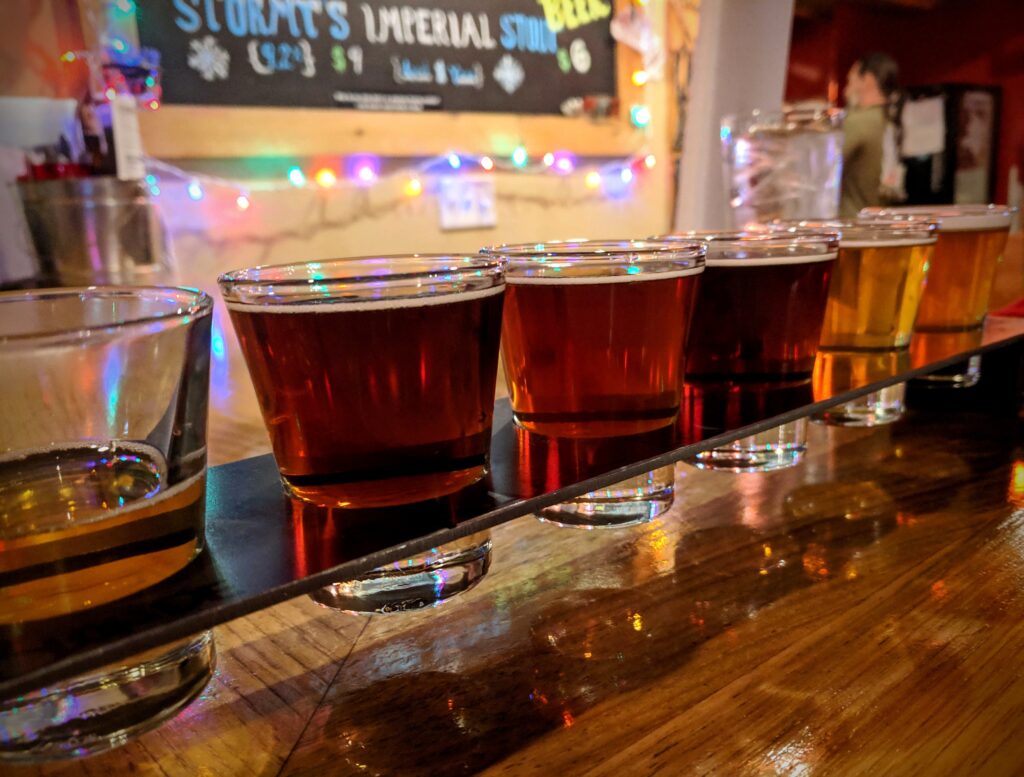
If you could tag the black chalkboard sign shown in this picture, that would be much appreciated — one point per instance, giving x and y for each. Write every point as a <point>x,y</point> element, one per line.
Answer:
<point>521,56</point>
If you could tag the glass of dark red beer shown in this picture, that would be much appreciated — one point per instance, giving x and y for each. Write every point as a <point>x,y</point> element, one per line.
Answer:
<point>755,333</point>
<point>375,376</point>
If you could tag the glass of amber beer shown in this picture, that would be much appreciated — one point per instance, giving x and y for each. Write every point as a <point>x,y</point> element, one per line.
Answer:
<point>592,346</point>
<point>971,240</point>
<point>873,300</point>
<point>375,375</point>
<point>756,330</point>
<point>594,332</point>
<point>102,493</point>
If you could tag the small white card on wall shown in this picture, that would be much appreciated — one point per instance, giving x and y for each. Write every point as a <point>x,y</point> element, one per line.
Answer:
<point>131,165</point>
<point>467,202</point>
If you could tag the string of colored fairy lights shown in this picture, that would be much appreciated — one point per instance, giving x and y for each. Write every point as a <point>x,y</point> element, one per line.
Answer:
<point>364,170</point>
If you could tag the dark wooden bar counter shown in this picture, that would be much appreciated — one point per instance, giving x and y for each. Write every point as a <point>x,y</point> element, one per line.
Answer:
<point>862,613</point>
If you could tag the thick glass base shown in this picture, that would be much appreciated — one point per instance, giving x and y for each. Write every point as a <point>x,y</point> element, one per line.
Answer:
<point>778,448</point>
<point>421,581</point>
<point>875,409</point>
<point>627,503</point>
<point>104,709</point>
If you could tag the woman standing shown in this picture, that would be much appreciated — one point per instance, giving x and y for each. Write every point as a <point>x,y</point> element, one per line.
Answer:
<point>871,167</point>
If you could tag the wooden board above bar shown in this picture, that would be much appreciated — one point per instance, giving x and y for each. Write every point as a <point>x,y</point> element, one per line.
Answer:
<point>196,132</point>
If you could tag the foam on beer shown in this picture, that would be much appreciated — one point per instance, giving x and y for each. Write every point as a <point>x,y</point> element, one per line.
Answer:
<point>906,242</point>
<point>950,218</point>
<point>973,222</point>
<point>593,280</point>
<point>344,305</point>
<point>767,261</point>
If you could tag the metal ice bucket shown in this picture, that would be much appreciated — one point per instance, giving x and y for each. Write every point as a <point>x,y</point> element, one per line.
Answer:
<point>92,231</point>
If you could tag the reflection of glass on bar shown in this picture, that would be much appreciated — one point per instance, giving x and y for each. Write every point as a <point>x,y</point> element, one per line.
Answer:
<point>839,371</point>
<point>874,295</point>
<point>375,375</point>
<point>102,491</point>
<point>971,240</point>
<point>426,580</point>
<point>594,332</point>
<point>105,708</point>
<point>629,502</point>
<point>757,324</point>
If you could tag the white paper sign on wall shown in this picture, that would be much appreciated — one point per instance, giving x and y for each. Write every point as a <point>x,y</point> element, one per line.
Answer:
<point>467,202</point>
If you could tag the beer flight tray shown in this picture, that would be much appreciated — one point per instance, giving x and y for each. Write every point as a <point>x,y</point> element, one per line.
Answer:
<point>262,549</point>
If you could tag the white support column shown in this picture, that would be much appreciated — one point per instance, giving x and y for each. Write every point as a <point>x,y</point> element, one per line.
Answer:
<point>739,64</point>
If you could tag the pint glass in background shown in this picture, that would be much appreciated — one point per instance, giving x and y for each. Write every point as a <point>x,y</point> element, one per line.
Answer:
<point>594,332</point>
<point>375,375</point>
<point>102,493</point>
<point>783,164</point>
<point>971,240</point>
<point>874,295</point>
<point>757,325</point>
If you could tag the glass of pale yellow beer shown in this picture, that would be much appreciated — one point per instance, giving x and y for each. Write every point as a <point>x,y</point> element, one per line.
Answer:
<point>971,240</point>
<point>874,297</point>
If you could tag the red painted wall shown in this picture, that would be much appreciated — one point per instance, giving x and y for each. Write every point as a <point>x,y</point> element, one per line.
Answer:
<point>974,41</point>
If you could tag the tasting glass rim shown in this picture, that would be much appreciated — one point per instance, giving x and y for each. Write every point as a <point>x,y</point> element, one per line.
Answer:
<point>951,217</point>
<point>193,303</point>
<point>277,283</point>
<point>855,230</point>
<point>597,257</point>
<point>736,248</point>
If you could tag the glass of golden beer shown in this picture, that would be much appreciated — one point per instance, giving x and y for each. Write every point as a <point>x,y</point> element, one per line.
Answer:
<point>755,335</point>
<point>375,376</point>
<point>102,492</point>
<point>873,300</point>
<point>592,346</point>
<point>971,240</point>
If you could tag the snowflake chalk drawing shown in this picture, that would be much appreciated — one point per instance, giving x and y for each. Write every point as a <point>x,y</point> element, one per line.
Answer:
<point>509,73</point>
<point>209,58</point>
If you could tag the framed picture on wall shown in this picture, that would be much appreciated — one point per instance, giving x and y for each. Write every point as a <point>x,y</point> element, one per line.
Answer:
<point>951,137</point>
